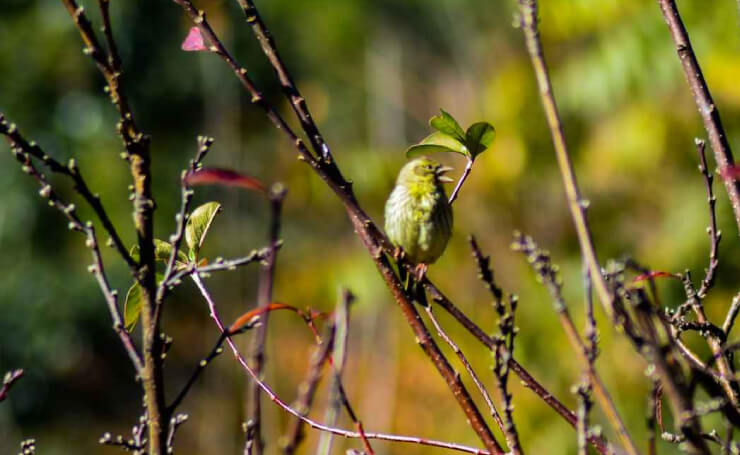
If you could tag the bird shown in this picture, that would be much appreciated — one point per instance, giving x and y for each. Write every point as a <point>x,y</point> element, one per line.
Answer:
<point>418,217</point>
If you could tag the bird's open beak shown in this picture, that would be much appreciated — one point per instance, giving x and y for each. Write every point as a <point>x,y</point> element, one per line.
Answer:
<point>441,171</point>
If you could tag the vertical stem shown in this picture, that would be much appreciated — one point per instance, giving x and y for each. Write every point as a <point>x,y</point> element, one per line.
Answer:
<point>703,99</point>
<point>254,442</point>
<point>575,201</point>
<point>466,172</point>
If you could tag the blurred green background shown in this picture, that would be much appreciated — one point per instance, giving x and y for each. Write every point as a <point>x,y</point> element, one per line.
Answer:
<point>373,72</point>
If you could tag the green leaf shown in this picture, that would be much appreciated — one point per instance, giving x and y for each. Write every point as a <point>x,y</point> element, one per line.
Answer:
<point>437,142</point>
<point>132,304</point>
<point>162,251</point>
<point>132,307</point>
<point>447,124</point>
<point>479,137</point>
<point>199,223</point>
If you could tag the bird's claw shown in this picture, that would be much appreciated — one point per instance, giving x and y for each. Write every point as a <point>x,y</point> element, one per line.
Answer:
<point>419,271</point>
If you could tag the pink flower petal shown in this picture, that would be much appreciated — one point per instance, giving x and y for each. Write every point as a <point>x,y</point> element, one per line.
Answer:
<point>194,41</point>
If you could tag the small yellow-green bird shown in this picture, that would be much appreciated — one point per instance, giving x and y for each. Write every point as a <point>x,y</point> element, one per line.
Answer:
<point>418,217</point>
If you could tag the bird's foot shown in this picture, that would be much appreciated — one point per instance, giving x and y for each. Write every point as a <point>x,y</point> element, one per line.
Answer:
<point>398,253</point>
<point>420,271</point>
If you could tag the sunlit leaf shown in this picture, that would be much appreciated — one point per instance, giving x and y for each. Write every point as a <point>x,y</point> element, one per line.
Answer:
<point>132,304</point>
<point>479,137</point>
<point>447,124</point>
<point>437,142</point>
<point>162,251</point>
<point>199,223</point>
<point>226,177</point>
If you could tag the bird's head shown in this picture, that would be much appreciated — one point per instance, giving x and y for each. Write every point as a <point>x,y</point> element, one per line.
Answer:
<point>424,171</point>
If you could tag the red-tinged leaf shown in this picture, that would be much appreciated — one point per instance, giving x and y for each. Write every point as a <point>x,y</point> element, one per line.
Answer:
<point>242,321</point>
<point>731,172</point>
<point>247,317</point>
<point>226,177</point>
<point>194,41</point>
<point>654,274</point>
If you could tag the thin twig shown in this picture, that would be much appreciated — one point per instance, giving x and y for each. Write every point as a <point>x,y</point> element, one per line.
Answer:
<point>181,218</point>
<point>714,234</point>
<point>540,262</point>
<point>264,298</point>
<point>71,170</point>
<point>87,229</point>
<point>731,315</point>
<point>297,102</point>
<point>527,379</point>
<point>218,265</point>
<point>505,350</point>
<point>703,99</point>
<point>576,203</point>
<point>175,422</point>
<point>337,362</point>
<point>654,416</point>
<point>319,426</point>
<point>9,380</point>
<point>456,349</point>
<point>114,59</point>
<point>217,350</point>
<point>585,388</point>
<point>307,390</point>
<point>136,144</point>
<point>726,370</point>
<point>463,177</point>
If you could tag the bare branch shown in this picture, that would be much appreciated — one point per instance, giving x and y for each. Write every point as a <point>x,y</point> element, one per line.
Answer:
<point>576,203</point>
<point>703,99</point>
<point>10,378</point>
<point>714,234</point>
<point>527,379</point>
<point>463,177</point>
<point>312,423</point>
<point>547,272</point>
<point>264,298</point>
<point>75,224</point>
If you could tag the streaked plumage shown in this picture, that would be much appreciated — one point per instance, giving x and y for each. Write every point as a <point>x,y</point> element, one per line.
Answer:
<point>418,217</point>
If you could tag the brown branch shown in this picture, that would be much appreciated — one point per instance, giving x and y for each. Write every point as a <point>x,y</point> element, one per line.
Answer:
<point>540,262</point>
<point>463,177</point>
<point>312,423</point>
<point>307,390</point>
<point>703,99</point>
<point>576,203</point>
<point>647,340</point>
<point>469,368</point>
<point>504,341</point>
<point>714,234</point>
<point>264,298</point>
<point>731,315</point>
<point>33,150</point>
<point>527,379</point>
<point>297,102</point>
<point>181,218</point>
<point>19,147</point>
<point>137,154</point>
<point>726,372</point>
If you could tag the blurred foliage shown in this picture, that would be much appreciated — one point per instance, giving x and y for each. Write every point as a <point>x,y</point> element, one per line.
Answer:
<point>373,72</point>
